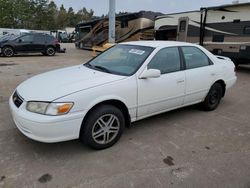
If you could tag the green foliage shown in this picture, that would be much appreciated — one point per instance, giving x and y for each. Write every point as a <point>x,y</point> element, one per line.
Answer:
<point>40,14</point>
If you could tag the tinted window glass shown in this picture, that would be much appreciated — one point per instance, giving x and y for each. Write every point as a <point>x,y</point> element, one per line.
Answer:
<point>166,60</point>
<point>26,38</point>
<point>194,57</point>
<point>218,38</point>
<point>247,30</point>
<point>124,23</point>
<point>183,26</point>
<point>49,38</point>
<point>39,38</point>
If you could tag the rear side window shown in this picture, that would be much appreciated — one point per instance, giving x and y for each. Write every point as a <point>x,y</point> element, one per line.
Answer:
<point>49,39</point>
<point>166,60</point>
<point>39,38</point>
<point>194,57</point>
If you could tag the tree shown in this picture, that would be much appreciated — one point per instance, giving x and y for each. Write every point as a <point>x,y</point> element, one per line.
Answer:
<point>62,18</point>
<point>40,14</point>
<point>52,14</point>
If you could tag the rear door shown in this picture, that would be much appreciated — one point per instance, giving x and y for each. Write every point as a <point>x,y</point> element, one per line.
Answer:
<point>200,74</point>
<point>39,43</point>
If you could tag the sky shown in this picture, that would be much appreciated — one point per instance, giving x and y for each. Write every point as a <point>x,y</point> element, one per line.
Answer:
<point>165,6</point>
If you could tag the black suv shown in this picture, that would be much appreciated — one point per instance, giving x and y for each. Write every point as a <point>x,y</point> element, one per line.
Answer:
<point>30,43</point>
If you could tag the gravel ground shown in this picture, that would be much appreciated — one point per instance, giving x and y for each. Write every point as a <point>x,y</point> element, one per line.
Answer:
<point>182,148</point>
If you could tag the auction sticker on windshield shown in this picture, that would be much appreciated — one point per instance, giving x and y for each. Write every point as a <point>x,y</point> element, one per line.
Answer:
<point>138,52</point>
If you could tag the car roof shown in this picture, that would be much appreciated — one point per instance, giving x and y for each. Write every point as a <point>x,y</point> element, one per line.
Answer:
<point>36,34</point>
<point>156,44</point>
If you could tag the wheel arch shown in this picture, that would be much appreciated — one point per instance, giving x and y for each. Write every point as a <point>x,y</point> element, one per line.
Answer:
<point>10,46</point>
<point>223,84</point>
<point>114,102</point>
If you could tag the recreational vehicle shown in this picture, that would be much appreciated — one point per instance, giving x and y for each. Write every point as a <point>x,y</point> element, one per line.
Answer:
<point>129,27</point>
<point>223,30</point>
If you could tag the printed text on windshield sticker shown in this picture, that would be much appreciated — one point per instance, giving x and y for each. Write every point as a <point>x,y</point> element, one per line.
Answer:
<point>138,52</point>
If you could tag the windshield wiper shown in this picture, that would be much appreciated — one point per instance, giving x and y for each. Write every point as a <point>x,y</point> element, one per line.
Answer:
<point>98,67</point>
<point>101,68</point>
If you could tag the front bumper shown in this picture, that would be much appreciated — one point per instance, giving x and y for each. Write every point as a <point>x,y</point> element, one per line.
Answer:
<point>47,129</point>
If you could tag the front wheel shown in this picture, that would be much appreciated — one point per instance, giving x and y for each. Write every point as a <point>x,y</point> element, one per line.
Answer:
<point>8,52</point>
<point>103,127</point>
<point>213,97</point>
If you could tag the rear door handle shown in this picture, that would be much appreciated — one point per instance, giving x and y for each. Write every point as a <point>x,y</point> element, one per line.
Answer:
<point>213,74</point>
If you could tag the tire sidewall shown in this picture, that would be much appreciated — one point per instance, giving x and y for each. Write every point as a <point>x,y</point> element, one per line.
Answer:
<point>207,105</point>
<point>49,53</point>
<point>8,48</point>
<point>86,135</point>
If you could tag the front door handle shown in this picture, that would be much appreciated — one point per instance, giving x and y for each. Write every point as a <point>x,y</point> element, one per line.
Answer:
<point>179,81</point>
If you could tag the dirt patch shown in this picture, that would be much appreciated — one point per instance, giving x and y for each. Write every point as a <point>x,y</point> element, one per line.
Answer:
<point>45,178</point>
<point>2,178</point>
<point>6,64</point>
<point>169,161</point>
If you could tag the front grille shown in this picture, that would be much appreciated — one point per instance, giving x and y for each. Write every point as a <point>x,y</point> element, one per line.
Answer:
<point>18,101</point>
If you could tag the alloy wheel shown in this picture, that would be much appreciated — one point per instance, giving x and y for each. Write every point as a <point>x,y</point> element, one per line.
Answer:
<point>105,129</point>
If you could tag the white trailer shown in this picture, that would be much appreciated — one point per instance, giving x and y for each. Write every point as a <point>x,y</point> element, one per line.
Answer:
<point>223,30</point>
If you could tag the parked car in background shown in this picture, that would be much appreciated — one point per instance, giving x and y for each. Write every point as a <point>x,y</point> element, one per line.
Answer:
<point>30,43</point>
<point>126,83</point>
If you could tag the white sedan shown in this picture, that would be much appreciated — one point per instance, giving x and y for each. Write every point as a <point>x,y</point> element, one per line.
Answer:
<point>130,81</point>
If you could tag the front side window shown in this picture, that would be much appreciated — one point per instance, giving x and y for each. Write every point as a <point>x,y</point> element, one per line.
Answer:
<point>121,59</point>
<point>166,60</point>
<point>194,57</point>
<point>26,38</point>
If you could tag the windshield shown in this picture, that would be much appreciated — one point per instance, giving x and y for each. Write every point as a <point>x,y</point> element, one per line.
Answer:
<point>7,37</point>
<point>121,59</point>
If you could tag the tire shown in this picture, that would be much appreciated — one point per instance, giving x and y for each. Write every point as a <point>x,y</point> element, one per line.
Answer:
<point>96,131</point>
<point>8,51</point>
<point>50,51</point>
<point>213,97</point>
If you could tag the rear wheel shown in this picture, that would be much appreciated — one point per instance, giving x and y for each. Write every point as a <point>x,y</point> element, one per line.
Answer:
<point>103,127</point>
<point>50,51</point>
<point>213,97</point>
<point>8,51</point>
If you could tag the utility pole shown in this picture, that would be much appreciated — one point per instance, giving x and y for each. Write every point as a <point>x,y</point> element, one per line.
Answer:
<point>112,21</point>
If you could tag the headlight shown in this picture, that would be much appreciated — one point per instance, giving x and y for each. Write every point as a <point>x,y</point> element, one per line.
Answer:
<point>46,108</point>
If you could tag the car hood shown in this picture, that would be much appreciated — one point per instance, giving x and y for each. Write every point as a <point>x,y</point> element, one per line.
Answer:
<point>59,83</point>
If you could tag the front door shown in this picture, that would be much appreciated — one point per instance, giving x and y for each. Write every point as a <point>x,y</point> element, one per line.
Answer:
<point>182,29</point>
<point>157,95</point>
<point>24,43</point>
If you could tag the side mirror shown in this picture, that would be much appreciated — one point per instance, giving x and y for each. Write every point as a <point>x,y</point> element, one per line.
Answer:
<point>19,40</point>
<point>150,73</point>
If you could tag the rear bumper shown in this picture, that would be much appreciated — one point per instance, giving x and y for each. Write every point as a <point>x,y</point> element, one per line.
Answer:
<point>231,82</point>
